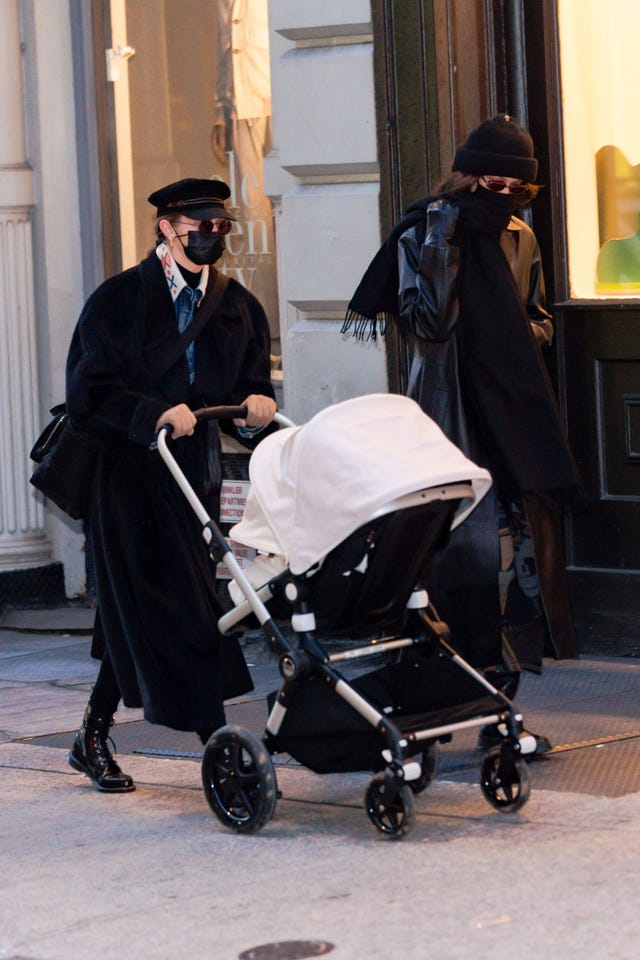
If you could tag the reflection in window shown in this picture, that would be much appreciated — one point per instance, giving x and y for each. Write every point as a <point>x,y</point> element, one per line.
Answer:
<point>240,139</point>
<point>601,101</point>
<point>201,107</point>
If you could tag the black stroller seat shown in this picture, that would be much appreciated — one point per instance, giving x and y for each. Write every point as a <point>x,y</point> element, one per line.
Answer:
<point>365,583</point>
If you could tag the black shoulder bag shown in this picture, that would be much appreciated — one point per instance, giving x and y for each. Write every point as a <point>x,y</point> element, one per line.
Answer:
<point>66,455</point>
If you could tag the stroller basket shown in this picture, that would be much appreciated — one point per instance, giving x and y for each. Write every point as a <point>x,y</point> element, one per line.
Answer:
<point>368,590</point>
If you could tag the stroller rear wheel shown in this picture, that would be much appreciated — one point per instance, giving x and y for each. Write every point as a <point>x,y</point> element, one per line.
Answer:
<point>239,779</point>
<point>389,806</point>
<point>505,780</point>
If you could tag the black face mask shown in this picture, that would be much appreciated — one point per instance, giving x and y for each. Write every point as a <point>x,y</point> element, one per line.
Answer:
<point>203,248</point>
<point>484,211</point>
<point>498,203</point>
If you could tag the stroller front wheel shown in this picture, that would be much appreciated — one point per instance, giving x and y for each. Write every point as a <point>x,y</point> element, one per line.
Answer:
<point>389,806</point>
<point>239,779</point>
<point>505,780</point>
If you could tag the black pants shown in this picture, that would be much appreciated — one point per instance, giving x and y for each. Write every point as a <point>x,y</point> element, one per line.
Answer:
<point>105,695</point>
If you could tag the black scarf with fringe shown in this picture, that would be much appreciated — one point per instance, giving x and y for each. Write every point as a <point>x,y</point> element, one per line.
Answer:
<point>505,378</point>
<point>375,302</point>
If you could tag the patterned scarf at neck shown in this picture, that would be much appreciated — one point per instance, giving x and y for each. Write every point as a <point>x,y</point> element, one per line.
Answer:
<point>185,299</point>
<point>175,281</point>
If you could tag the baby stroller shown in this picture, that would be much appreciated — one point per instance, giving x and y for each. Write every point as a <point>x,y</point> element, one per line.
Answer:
<point>346,513</point>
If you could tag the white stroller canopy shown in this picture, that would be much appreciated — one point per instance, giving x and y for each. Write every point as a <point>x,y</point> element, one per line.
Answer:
<point>312,486</point>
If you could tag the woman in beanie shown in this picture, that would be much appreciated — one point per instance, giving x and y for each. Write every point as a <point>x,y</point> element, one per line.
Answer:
<point>461,278</point>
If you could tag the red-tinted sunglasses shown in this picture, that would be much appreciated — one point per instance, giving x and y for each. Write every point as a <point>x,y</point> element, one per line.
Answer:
<point>223,227</point>
<point>497,186</point>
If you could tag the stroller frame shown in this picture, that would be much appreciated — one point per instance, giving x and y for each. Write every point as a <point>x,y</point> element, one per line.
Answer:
<point>237,771</point>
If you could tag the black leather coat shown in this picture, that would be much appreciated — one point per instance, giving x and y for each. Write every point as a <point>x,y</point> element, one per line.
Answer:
<point>429,304</point>
<point>465,578</point>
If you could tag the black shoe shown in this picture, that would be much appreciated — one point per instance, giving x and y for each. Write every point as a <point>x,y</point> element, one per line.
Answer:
<point>90,754</point>
<point>490,736</point>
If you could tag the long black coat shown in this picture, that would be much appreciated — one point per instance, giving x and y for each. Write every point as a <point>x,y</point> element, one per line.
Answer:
<point>464,582</point>
<point>157,607</point>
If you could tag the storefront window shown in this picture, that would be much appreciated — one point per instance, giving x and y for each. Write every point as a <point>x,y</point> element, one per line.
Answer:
<point>199,105</point>
<point>601,106</point>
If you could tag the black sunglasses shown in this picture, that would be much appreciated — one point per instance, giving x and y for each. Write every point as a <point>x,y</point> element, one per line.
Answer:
<point>223,227</point>
<point>496,185</point>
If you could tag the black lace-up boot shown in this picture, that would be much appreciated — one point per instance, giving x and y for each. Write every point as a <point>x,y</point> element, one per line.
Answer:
<point>90,754</point>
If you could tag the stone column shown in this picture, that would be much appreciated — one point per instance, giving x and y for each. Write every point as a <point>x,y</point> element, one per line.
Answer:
<point>23,542</point>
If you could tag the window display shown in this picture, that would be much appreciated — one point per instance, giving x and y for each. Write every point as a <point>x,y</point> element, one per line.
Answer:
<point>601,101</point>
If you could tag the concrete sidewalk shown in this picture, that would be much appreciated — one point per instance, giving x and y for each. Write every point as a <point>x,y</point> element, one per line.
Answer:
<point>153,874</point>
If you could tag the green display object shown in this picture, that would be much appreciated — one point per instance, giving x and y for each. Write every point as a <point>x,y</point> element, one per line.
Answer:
<point>618,266</point>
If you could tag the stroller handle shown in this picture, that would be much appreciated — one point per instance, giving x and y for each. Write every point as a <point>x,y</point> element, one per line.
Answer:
<point>210,413</point>
<point>226,413</point>
<point>233,413</point>
<point>221,413</point>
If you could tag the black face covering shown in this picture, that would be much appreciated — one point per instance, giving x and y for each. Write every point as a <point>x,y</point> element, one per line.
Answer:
<point>203,248</point>
<point>486,211</point>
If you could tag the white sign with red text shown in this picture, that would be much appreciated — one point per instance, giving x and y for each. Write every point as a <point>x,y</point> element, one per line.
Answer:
<point>233,499</point>
<point>244,556</point>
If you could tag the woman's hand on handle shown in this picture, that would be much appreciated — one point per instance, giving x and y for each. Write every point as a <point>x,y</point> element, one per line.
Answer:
<point>181,419</point>
<point>260,411</point>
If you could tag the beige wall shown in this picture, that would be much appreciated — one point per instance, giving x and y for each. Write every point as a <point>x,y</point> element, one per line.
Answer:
<point>323,178</point>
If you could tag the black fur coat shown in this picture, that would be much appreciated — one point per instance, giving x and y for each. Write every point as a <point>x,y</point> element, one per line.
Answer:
<point>157,605</point>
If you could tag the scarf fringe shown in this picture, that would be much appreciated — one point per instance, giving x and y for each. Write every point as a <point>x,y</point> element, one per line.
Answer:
<point>362,328</point>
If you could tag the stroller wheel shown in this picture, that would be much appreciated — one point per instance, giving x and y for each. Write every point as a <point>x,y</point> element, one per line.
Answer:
<point>389,806</point>
<point>239,779</point>
<point>429,762</point>
<point>504,780</point>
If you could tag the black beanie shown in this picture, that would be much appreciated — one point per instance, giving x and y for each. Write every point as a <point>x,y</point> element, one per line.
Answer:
<point>498,146</point>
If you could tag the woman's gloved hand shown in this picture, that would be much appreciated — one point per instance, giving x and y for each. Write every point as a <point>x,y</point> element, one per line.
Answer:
<point>441,223</point>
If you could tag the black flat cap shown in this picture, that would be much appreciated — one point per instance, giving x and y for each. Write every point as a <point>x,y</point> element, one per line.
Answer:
<point>198,199</point>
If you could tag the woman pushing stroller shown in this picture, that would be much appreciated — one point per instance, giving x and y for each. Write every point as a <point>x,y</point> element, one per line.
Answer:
<point>135,364</point>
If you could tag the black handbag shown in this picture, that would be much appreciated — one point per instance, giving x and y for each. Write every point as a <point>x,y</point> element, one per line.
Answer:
<point>66,460</point>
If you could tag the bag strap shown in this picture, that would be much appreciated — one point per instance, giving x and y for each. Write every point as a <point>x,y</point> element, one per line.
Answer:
<point>51,433</point>
<point>203,314</point>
